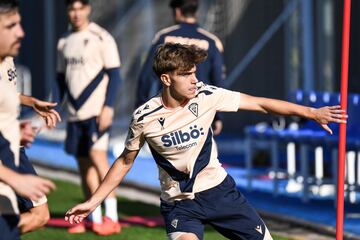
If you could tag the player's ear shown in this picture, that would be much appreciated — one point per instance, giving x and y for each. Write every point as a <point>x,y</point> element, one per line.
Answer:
<point>88,10</point>
<point>165,79</point>
<point>177,14</point>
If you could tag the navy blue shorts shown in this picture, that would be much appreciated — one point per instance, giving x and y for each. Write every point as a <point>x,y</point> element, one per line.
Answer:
<point>81,136</point>
<point>25,167</point>
<point>8,227</point>
<point>222,207</point>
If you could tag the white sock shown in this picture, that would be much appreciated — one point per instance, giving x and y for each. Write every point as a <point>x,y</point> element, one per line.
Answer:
<point>111,209</point>
<point>96,216</point>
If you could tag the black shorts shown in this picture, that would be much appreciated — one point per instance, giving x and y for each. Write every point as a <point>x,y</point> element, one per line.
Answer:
<point>222,207</point>
<point>8,227</point>
<point>81,136</point>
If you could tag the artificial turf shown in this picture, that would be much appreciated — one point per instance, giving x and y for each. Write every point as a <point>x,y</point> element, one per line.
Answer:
<point>68,194</point>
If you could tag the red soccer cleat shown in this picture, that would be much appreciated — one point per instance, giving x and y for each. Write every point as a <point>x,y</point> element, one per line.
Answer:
<point>78,228</point>
<point>108,227</point>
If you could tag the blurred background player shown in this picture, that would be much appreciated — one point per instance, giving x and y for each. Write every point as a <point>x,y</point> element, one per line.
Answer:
<point>34,214</point>
<point>186,31</point>
<point>11,181</point>
<point>176,124</point>
<point>89,73</point>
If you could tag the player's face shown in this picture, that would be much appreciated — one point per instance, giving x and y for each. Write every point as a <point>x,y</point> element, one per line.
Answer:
<point>183,84</point>
<point>78,14</point>
<point>11,34</point>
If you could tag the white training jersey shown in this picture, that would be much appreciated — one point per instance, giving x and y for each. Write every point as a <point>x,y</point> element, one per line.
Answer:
<point>8,74</point>
<point>82,58</point>
<point>181,140</point>
<point>9,142</point>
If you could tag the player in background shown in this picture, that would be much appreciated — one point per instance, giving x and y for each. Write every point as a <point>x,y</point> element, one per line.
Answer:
<point>176,124</point>
<point>186,31</point>
<point>88,72</point>
<point>11,180</point>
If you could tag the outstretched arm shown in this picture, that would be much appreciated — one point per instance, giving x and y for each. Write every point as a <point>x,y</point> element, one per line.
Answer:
<point>116,173</point>
<point>322,116</point>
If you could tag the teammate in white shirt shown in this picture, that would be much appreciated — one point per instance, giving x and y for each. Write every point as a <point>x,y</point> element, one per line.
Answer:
<point>195,188</point>
<point>88,73</point>
<point>11,180</point>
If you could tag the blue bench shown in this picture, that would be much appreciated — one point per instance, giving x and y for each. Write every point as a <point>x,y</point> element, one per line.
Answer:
<point>310,140</point>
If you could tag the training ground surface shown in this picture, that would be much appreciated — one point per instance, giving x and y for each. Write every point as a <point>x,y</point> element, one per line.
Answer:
<point>67,194</point>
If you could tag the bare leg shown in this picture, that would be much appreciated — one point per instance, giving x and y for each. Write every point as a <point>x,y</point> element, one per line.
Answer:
<point>100,161</point>
<point>188,236</point>
<point>89,176</point>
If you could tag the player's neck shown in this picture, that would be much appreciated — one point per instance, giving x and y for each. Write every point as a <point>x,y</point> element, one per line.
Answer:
<point>189,20</point>
<point>82,27</point>
<point>171,102</point>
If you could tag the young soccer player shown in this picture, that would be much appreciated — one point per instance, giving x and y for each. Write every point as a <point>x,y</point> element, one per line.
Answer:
<point>176,124</point>
<point>186,31</point>
<point>89,73</point>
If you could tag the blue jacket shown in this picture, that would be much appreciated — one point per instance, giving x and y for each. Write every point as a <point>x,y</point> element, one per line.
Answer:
<point>212,71</point>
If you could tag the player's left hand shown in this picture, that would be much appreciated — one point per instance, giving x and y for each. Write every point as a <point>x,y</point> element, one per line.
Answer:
<point>327,114</point>
<point>46,111</point>
<point>78,213</point>
<point>105,118</point>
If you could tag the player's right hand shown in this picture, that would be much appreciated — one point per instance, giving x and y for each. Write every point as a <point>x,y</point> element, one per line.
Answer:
<point>27,134</point>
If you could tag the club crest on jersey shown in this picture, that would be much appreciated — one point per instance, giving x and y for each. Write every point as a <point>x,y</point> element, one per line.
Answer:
<point>86,41</point>
<point>194,109</point>
<point>161,121</point>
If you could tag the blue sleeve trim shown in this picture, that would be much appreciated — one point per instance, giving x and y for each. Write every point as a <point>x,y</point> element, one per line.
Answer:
<point>58,91</point>
<point>114,83</point>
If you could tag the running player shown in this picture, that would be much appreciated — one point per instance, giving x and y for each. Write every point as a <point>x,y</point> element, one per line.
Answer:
<point>11,181</point>
<point>186,31</point>
<point>88,73</point>
<point>34,214</point>
<point>176,124</point>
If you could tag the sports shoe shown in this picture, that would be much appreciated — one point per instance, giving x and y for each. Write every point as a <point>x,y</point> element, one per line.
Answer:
<point>78,228</point>
<point>107,227</point>
<point>116,225</point>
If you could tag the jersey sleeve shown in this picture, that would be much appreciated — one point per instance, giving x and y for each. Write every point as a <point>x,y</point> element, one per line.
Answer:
<point>223,100</point>
<point>135,138</point>
<point>110,53</point>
